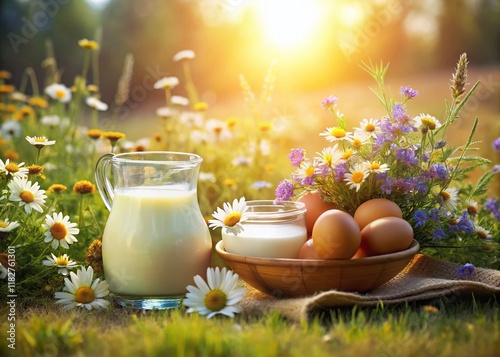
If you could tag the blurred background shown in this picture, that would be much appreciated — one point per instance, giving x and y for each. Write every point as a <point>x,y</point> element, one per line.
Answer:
<point>318,46</point>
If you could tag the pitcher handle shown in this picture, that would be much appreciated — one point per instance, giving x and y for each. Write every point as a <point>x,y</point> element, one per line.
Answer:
<point>104,186</point>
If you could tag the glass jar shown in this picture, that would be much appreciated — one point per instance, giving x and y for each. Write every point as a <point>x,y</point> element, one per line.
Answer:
<point>271,230</point>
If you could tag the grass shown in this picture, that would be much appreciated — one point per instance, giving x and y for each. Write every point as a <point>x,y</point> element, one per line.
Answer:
<point>459,326</point>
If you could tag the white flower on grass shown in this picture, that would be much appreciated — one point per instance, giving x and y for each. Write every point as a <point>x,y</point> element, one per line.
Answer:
<point>96,104</point>
<point>60,231</point>
<point>369,128</point>
<point>449,199</point>
<point>14,170</point>
<point>192,119</point>
<point>59,92</point>
<point>40,141</point>
<point>82,290</point>
<point>207,177</point>
<point>6,226</point>
<point>220,296</point>
<point>184,54</point>
<point>230,217</point>
<point>329,156</point>
<point>164,112</point>
<point>166,82</point>
<point>375,167</point>
<point>483,233</point>
<point>62,262</point>
<point>11,129</point>
<point>27,194</point>
<point>179,100</point>
<point>356,176</point>
<point>428,121</point>
<point>51,120</point>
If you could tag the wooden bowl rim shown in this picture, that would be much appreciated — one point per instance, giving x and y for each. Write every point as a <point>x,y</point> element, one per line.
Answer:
<point>377,259</point>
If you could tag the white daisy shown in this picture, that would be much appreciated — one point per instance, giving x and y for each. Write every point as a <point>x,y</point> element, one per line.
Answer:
<point>375,167</point>
<point>483,233</point>
<point>185,54</point>
<point>166,82</point>
<point>217,130</point>
<point>220,296</point>
<point>428,121</point>
<point>6,226</point>
<point>230,217</point>
<point>336,134</point>
<point>11,129</point>
<point>329,156</point>
<point>40,141</point>
<point>27,194</point>
<point>356,176</point>
<point>164,112</point>
<point>242,161</point>
<point>59,92</point>
<point>62,262</point>
<point>357,140</point>
<point>449,199</point>
<point>207,177</point>
<point>96,104</point>
<point>179,100</point>
<point>81,290</point>
<point>369,128</point>
<point>472,207</point>
<point>192,119</point>
<point>51,120</point>
<point>60,231</point>
<point>14,170</point>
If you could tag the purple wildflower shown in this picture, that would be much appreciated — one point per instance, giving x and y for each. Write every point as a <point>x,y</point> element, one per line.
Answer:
<point>407,157</point>
<point>463,225</point>
<point>420,217</point>
<point>492,205</point>
<point>308,181</point>
<point>438,234</point>
<point>284,191</point>
<point>439,172</point>
<point>399,113</point>
<point>296,156</point>
<point>495,168</point>
<point>466,270</point>
<point>435,214</point>
<point>440,144</point>
<point>258,185</point>
<point>496,145</point>
<point>329,102</point>
<point>340,170</point>
<point>408,93</point>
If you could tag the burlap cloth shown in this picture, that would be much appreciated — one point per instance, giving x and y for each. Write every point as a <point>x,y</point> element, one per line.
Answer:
<point>424,278</point>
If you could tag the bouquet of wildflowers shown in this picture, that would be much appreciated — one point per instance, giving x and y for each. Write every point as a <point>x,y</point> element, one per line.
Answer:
<point>406,159</point>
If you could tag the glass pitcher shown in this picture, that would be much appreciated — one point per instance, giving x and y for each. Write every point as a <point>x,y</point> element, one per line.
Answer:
<point>156,239</point>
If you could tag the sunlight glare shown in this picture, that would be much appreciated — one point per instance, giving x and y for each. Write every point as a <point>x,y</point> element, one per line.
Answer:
<point>288,22</point>
<point>351,15</point>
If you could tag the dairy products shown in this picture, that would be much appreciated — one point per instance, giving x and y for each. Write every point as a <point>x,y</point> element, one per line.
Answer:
<point>266,240</point>
<point>155,241</point>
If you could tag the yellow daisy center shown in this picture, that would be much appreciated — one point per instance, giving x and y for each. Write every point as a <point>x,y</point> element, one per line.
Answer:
<point>27,196</point>
<point>472,210</point>
<point>328,159</point>
<point>357,177</point>
<point>84,295</point>
<point>60,94</point>
<point>347,154</point>
<point>374,166</point>
<point>356,143</point>
<point>309,171</point>
<point>482,234</point>
<point>428,122</point>
<point>445,195</point>
<point>370,127</point>
<point>3,224</point>
<point>12,167</point>
<point>337,132</point>
<point>40,139</point>
<point>215,300</point>
<point>232,218</point>
<point>62,261</point>
<point>58,231</point>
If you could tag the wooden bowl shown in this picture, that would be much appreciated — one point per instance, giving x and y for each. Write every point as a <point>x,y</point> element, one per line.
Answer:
<point>301,277</point>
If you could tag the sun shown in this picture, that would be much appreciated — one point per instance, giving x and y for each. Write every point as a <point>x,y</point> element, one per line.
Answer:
<point>288,22</point>
<point>351,15</point>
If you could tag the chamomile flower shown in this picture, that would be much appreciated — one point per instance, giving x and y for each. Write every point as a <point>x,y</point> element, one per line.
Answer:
<point>6,226</point>
<point>183,55</point>
<point>483,233</point>
<point>306,172</point>
<point>220,294</point>
<point>357,140</point>
<point>427,121</point>
<point>230,217</point>
<point>82,290</point>
<point>59,92</point>
<point>375,167</point>
<point>96,104</point>
<point>369,128</point>
<point>62,262</point>
<point>13,170</point>
<point>356,176</point>
<point>449,198</point>
<point>40,141</point>
<point>179,100</point>
<point>59,230</point>
<point>166,82</point>
<point>336,133</point>
<point>28,194</point>
<point>329,156</point>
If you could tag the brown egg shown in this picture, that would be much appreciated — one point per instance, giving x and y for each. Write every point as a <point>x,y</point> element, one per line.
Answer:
<point>386,235</point>
<point>315,207</point>
<point>307,251</point>
<point>360,253</point>
<point>374,209</point>
<point>336,235</point>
